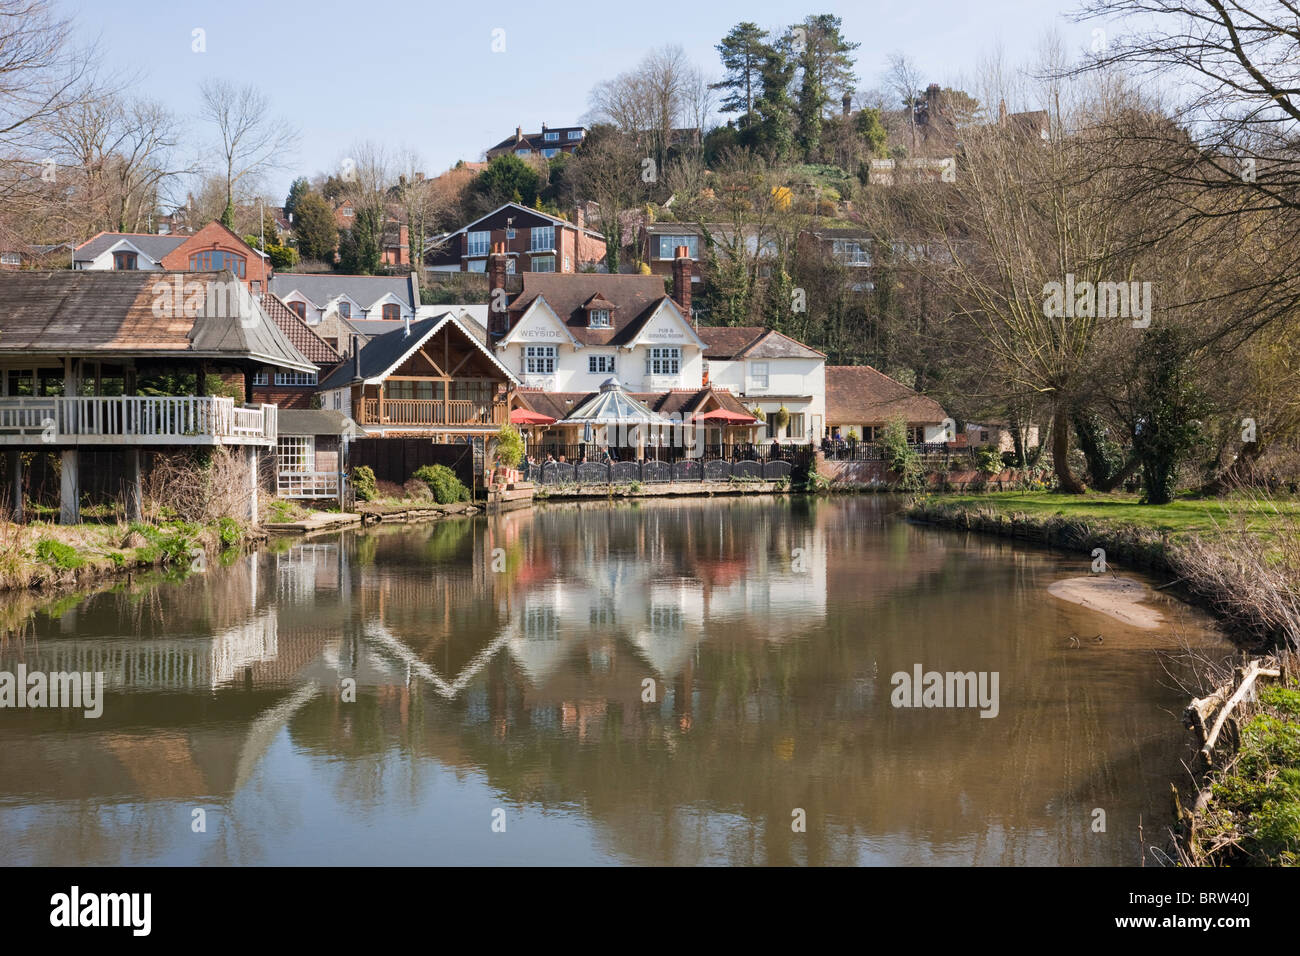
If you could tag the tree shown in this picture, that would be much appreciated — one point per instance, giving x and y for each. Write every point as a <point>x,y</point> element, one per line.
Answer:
<point>299,188</point>
<point>904,78</point>
<point>742,52</point>
<point>825,70</point>
<point>661,93</point>
<point>250,140</point>
<point>607,169</point>
<point>773,135</point>
<point>315,228</point>
<point>1171,405</point>
<point>507,179</point>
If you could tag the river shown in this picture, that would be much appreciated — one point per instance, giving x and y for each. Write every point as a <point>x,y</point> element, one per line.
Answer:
<point>671,681</point>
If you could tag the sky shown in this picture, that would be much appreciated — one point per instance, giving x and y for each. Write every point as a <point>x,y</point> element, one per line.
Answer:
<point>423,75</point>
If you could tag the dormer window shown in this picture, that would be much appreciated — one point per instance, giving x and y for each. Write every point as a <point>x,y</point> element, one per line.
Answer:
<point>552,136</point>
<point>125,261</point>
<point>599,319</point>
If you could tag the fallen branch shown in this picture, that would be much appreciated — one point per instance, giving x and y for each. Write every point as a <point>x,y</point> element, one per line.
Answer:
<point>1202,707</point>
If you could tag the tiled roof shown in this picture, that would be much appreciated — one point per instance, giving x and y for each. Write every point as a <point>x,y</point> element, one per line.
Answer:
<point>304,339</point>
<point>752,342</point>
<point>155,247</point>
<point>382,352</point>
<point>635,298</point>
<point>859,395</point>
<point>559,405</point>
<point>109,312</point>
<point>365,291</point>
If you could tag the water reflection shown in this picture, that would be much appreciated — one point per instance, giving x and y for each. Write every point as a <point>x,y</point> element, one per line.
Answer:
<point>653,682</point>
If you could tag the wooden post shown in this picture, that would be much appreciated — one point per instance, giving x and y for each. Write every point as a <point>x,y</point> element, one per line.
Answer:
<point>70,488</point>
<point>16,503</point>
<point>134,492</point>
<point>250,456</point>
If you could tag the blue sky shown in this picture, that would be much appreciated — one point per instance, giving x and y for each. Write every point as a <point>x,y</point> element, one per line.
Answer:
<point>422,74</point>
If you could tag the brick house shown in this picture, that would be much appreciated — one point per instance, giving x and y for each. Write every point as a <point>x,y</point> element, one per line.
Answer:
<point>547,144</point>
<point>293,389</point>
<point>534,241</point>
<point>211,249</point>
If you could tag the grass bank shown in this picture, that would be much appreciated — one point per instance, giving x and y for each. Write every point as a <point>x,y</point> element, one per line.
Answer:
<point>42,555</point>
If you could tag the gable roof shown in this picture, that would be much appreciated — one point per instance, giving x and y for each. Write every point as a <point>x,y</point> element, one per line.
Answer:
<point>635,299</point>
<point>304,339</point>
<point>384,353</point>
<point>859,395</point>
<point>752,342</point>
<point>546,216</point>
<point>108,312</point>
<point>155,247</point>
<point>321,287</point>
<point>537,141</point>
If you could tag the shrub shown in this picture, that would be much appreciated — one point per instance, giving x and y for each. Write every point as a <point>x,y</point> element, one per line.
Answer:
<point>363,483</point>
<point>59,555</point>
<point>510,446</point>
<point>444,484</point>
<point>388,489</point>
<point>990,461</point>
<point>901,456</point>
<point>228,532</point>
<point>417,490</point>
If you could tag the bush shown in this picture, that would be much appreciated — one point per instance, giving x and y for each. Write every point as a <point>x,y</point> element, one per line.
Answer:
<point>363,483</point>
<point>901,456</point>
<point>444,484</point>
<point>228,532</point>
<point>389,490</point>
<point>59,555</point>
<point>417,490</point>
<point>990,461</point>
<point>510,446</point>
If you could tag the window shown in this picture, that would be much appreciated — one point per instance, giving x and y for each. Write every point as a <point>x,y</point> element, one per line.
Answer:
<point>477,243</point>
<point>511,266</point>
<point>392,312</point>
<point>260,378</point>
<point>551,136</point>
<point>413,389</point>
<point>758,374</point>
<point>214,260</point>
<point>550,153</point>
<point>575,134</point>
<point>794,427</point>
<point>600,364</point>
<point>543,263</point>
<point>298,308</point>
<point>599,319</point>
<point>295,452</point>
<point>984,436</point>
<point>477,265</point>
<point>295,378</point>
<point>668,244</point>
<point>916,434</point>
<point>543,238</point>
<point>345,310</point>
<point>256,287</point>
<point>12,259</point>
<point>539,359</point>
<point>347,212</point>
<point>850,252</point>
<point>523,152</point>
<point>125,261</point>
<point>664,361</point>
<point>510,233</point>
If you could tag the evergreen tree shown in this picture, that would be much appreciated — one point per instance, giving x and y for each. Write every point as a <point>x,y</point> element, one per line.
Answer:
<point>314,227</point>
<point>297,190</point>
<point>825,65</point>
<point>773,134</point>
<point>742,52</point>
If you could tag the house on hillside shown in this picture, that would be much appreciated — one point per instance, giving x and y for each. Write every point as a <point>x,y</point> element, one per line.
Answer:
<point>534,241</point>
<point>547,144</point>
<point>114,364</point>
<point>214,248</point>
<point>293,389</point>
<point>659,242</point>
<point>328,301</point>
<point>433,378</point>
<point>860,401</point>
<point>770,371</point>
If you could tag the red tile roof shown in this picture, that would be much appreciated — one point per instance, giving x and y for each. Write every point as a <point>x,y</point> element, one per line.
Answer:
<point>304,339</point>
<point>859,395</point>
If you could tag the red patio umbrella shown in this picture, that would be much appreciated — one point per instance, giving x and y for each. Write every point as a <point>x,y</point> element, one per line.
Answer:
<point>723,415</point>
<point>522,416</point>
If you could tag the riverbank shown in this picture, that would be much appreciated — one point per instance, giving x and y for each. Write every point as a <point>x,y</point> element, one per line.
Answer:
<point>1239,558</point>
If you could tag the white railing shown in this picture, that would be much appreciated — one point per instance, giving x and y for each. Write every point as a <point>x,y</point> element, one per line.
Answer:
<point>147,420</point>
<point>307,484</point>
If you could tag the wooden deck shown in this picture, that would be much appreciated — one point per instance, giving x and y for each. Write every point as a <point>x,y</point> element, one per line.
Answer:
<point>133,420</point>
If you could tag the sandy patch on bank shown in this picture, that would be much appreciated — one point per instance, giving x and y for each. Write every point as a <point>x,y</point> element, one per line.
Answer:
<point>1116,597</point>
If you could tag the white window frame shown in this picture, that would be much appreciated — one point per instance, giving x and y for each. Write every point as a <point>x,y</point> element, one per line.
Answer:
<point>794,427</point>
<point>600,365</point>
<point>663,360</point>
<point>295,454</point>
<point>542,260</point>
<point>295,378</point>
<point>552,136</point>
<point>541,239</point>
<point>760,375</point>
<point>575,134</point>
<point>478,243</point>
<point>692,244</point>
<point>540,359</point>
<point>600,319</point>
<point>11,258</point>
<point>261,378</point>
<point>523,152</point>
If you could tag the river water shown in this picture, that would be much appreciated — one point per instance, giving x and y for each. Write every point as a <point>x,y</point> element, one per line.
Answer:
<point>684,682</point>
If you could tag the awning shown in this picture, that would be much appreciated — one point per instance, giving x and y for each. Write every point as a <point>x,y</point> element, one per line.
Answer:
<point>522,416</point>
<point>723,415</point>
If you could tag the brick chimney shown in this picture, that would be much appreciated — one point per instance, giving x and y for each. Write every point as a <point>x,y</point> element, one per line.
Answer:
<point>579,216</point>
<point>683,268</point>
<point>498,321</point>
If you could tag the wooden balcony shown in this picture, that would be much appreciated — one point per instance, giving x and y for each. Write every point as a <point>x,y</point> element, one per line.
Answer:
<point>133,420</point>
<point>432,412</point>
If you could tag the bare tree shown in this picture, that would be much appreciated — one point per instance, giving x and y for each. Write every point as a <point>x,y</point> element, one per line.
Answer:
<point>251,141</point>
<point>904,79</point>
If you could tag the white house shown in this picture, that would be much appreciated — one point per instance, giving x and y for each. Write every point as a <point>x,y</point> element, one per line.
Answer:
<point>328,302</point>
<point>770,371</point>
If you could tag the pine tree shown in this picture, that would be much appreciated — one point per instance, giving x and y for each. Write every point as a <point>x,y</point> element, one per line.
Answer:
<point>742,52</point>
<point>825,65</point>
<point>773,134</point>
